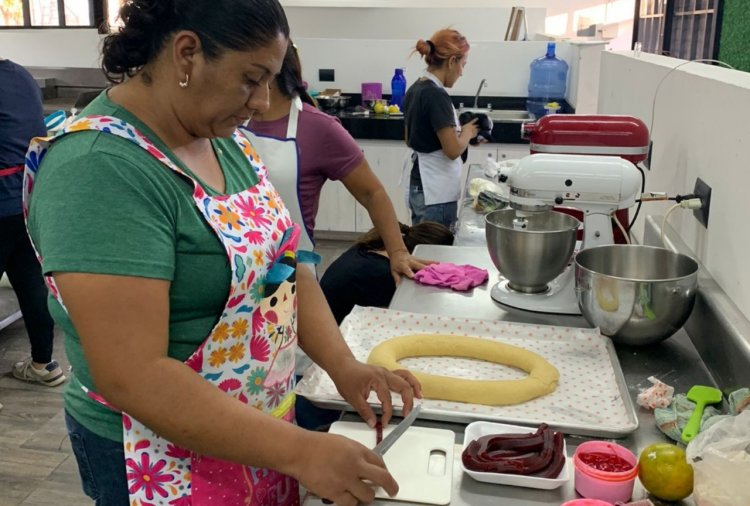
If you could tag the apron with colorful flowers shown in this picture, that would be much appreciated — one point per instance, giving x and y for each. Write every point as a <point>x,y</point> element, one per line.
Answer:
<point>249,353</point>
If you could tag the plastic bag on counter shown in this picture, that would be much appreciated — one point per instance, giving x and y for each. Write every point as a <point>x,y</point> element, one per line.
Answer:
<point>487,195</point>
<point>721,462</point>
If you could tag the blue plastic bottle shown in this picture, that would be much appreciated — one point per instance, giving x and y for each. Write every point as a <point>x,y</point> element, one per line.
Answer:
<point>547,81</point>
<point>398,88</point>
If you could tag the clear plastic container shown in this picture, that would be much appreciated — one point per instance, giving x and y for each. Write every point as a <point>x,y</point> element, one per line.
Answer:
<point>548,81</point>
<point>398,88</point>
<point>607,486</point>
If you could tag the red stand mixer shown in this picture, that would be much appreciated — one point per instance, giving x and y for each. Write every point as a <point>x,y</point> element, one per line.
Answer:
<point>590,134</point>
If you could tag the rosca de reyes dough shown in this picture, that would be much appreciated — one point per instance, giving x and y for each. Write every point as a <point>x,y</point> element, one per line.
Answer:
<point>541,380</point>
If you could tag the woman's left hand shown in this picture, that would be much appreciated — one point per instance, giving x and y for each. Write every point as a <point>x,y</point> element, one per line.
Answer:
<point>403,264</point>
<point>355,380</point>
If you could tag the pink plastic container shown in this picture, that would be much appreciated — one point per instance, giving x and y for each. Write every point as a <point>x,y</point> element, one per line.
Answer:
<point>607,486</point>
<point>587,502</point>
<point>371,91</point>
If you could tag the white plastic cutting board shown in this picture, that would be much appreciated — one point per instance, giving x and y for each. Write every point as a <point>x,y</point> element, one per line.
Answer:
<point>421,460</point>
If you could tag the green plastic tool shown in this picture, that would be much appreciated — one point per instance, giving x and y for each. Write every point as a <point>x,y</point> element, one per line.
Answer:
<point>701,396</point>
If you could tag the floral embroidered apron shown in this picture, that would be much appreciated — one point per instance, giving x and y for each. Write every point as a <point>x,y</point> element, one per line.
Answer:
<point>249,353</point>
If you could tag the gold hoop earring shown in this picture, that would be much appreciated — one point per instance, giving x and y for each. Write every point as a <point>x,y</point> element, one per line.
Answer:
<point>184,84</point>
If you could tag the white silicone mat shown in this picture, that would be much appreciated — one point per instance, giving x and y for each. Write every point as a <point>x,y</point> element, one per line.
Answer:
<point>591,397</point>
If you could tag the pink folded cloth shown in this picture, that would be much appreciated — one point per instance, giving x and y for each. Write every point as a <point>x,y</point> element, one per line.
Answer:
<point>457,277</point>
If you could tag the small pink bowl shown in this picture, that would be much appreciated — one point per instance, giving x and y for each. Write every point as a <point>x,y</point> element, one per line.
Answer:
<point>587,502</point>
<point>607,486</point>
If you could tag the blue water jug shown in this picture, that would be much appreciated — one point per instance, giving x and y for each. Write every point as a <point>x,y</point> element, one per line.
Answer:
<point>398,88</point>
<point>547,81</point>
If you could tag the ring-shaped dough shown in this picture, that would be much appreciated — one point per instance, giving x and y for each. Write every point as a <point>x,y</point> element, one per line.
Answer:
<point>541,380</point>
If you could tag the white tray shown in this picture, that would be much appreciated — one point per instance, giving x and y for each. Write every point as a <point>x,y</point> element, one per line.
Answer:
<point>591,398</point>
<point>476,430</point>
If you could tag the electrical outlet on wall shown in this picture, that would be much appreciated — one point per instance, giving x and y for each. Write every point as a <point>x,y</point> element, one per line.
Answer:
<point>703,192</point>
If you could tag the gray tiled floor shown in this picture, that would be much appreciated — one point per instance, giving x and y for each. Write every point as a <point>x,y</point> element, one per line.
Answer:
<point>36,462</point>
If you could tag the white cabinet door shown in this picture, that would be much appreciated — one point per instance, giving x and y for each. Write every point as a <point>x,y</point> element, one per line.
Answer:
<point>336,208</point>
<point>386,160</point>
<point>479,154</point>
<point>512,151</point>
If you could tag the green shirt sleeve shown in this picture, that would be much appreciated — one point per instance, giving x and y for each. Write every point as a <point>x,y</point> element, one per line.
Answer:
<point>101,213</point>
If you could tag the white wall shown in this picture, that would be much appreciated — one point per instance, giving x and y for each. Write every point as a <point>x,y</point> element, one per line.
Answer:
<point>700,130</point>
<point>505,65</point>
<point>51,48</point>
<point>405,23</point>
<point>583,82</point>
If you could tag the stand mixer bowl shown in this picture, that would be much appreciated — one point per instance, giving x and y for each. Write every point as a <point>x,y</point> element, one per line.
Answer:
<point>533,256</point>
<point>636,295</point>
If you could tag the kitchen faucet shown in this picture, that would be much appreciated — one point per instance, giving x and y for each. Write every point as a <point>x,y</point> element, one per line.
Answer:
<point>482,84</point>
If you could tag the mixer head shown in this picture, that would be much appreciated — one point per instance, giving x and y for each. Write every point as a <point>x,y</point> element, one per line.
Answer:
<point>591,183</point>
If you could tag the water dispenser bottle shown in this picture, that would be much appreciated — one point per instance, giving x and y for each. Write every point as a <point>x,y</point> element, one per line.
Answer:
<point>547,81</point>
<point>398,88</point>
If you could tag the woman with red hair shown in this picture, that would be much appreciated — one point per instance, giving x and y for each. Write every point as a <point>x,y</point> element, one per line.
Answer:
<point>433,131</point>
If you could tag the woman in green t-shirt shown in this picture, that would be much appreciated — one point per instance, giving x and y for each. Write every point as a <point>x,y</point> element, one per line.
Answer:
<point>159,232</point>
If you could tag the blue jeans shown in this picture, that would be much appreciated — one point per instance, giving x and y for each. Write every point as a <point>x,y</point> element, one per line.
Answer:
<point>445,213</point>
<point>308,416</point>
<point>101,464</point>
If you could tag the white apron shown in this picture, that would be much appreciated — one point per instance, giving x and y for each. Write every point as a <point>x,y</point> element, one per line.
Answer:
<point>281,156</point>
<point>441,176</point>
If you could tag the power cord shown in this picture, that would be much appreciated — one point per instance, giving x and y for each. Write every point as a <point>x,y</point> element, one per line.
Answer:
<point>692,203</point>
<point>625,233</point>
<point>653,115</point>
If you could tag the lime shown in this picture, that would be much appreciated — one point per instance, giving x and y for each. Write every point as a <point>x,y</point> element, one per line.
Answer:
<point>665,472</point>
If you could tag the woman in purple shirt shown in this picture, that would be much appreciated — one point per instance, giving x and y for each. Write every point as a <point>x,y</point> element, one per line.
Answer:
<point>304,147</point>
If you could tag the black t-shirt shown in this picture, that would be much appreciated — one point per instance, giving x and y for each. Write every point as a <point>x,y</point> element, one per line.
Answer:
<point>359,276</point>
<point>427,109</point>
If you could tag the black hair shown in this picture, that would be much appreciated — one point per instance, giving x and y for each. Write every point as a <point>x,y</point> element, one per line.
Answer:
<point>289,81</point>
<point>219,24</point>
<point>427,232</point>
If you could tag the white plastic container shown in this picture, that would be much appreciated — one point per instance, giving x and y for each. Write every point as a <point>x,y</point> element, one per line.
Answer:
<point>476,430</point>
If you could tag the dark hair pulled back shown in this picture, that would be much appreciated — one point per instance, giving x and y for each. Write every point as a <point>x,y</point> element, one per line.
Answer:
<point>289,81</point>
<point>219,24</point>
<point>427,232</point>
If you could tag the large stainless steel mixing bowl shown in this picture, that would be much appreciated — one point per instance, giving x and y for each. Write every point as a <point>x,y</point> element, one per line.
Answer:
<point>635,294</point>
<point>530,257</point>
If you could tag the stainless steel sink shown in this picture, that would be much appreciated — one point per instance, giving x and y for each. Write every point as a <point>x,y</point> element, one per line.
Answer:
<point>501,115</point>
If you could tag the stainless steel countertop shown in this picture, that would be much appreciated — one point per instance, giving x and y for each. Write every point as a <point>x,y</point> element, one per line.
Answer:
<point>470,226</point>
<point>674,361</point>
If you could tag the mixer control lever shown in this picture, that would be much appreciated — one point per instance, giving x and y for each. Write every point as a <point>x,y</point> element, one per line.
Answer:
<point>502,178</point>
<point>558,200</point>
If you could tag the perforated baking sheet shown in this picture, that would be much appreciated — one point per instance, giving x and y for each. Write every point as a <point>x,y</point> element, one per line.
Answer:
<point>591,398</point>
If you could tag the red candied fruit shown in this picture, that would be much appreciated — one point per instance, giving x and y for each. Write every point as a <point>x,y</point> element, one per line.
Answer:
<point>607,462</point>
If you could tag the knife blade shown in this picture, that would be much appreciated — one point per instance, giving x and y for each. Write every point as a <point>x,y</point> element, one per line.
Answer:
<point>396,433</point>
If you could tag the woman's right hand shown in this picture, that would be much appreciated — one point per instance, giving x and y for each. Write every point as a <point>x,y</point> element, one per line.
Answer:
<point>338,468</point>
<point>470,129</point>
